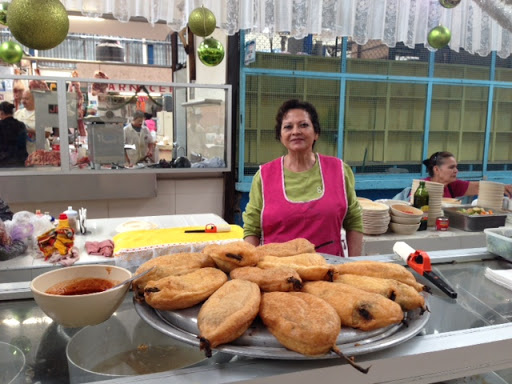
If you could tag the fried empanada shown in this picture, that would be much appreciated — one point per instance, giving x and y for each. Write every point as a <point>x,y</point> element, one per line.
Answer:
<point>283,279</point>
<point>184,291</point>
<point>309,266</point>
<point>288,248</point>
<point>170,265</point>
<point>232,255</point>
<point>356,308</point>
<point>300,321</point>
<point>404,295</point>
<point>228,313</point>
<point>382,270</point>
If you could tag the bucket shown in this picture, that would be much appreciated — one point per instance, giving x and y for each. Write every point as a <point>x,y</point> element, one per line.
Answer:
<point>124,346</point>
<point>12,364</point>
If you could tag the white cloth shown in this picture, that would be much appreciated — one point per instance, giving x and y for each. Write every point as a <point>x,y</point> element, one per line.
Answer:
<point>29,119</point>
<point>500,277</point>
<point>478,26</point>
<point>141,140</point>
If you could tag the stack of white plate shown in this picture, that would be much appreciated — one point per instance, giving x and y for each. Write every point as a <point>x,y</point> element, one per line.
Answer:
<point>490,194</point>
<point>375,217</point>
<point>435,199</point>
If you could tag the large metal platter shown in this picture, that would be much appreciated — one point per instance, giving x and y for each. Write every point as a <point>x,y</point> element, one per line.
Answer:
<point>258,342</point>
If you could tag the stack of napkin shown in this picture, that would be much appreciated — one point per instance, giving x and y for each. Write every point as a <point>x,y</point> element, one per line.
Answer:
<point>500,277</point>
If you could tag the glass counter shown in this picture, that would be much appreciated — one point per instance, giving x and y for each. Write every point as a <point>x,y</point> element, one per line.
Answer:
<point>467,337</point>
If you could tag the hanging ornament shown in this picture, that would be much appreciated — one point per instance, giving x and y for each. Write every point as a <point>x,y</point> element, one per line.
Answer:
<point>202,22</point>
<point>11,52</point>
<point>449,3</point>
<point>3,13</point>
<point>439,37</point>
<point>38,24</point>
<point>210,52</point>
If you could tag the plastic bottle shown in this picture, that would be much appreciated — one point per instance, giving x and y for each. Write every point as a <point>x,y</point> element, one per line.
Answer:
<point>72,217</point>
<point>65,235</point>
<point>421,202</point>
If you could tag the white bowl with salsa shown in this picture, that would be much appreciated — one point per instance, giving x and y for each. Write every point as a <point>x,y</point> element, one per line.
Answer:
<point>81,295</point>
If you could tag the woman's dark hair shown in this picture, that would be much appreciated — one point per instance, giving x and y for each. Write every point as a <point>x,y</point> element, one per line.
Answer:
<point>7,107</point>
<point>296,104</point>
<point>437,158</point>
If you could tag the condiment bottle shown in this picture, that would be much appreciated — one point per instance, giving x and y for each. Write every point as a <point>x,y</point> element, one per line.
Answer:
<point>421,202</point>
<point>72,218</point>
<point>65,235</point>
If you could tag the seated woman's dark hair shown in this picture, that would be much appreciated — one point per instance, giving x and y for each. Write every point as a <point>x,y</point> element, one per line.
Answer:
<point>296,104</point>
<point>437,158</point>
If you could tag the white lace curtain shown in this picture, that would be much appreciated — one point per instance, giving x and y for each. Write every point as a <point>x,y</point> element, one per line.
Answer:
<point>478,26</point>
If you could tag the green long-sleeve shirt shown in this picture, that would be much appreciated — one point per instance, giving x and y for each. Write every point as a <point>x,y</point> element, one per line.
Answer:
<point>301,186</point>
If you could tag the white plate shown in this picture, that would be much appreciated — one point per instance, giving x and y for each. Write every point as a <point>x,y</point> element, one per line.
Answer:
<point>135,225</point>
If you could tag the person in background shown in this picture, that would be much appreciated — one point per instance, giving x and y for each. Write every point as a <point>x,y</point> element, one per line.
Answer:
<point>303,193</point>
<point>149,122</point>
<point>27,116</point>
<point>17,89</point>
<point>13,138</point>
<point>138,135</point>
<point>442,168</point>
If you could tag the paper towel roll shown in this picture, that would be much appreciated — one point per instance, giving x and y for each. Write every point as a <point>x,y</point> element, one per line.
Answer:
<point>403,250</point>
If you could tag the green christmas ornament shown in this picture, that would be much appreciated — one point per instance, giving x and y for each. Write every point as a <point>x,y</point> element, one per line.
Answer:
<point>202,22</point>
<point>439,37</point>
<point>210,52</point>
<point>11,52</point>
<point>3,13</point>
<point>38,24</point>
<point>449,3</point>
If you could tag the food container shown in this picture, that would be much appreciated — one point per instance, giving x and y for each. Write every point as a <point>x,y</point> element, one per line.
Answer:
<point>499,241</point>
<point>442,223</point>
<point>474,223</point>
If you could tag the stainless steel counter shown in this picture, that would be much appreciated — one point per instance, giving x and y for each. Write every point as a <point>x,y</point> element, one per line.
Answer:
<point>15,274</point>
<point>471,335</point>
<point>429,240</point>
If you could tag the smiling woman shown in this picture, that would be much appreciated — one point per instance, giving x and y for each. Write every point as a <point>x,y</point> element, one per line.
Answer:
<point>303,194</point>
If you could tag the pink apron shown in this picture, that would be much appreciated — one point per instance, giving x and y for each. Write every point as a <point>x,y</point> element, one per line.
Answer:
<point>319,220</point>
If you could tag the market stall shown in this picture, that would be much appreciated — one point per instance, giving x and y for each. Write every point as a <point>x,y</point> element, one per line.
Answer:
<point>466,336</point>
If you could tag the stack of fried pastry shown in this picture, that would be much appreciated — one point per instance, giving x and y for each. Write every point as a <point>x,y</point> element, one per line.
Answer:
<point>303,300</point>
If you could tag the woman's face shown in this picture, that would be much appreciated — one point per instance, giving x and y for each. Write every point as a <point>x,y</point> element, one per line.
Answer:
<point>447,172</point>
<point>297,131</point>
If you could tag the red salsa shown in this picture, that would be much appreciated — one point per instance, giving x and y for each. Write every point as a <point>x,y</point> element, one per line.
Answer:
<point>80,286</point>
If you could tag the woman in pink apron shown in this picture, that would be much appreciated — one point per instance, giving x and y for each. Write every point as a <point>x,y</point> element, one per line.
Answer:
<point>303,194</point>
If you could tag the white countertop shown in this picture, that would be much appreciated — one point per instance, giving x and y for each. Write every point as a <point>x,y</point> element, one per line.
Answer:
<point>24,268</point>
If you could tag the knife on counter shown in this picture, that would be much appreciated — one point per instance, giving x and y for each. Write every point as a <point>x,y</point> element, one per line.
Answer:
<point>211,228</point>
<point>419,261</point>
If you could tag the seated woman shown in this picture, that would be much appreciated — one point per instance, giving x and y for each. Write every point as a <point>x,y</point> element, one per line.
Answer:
<point>442,168</point>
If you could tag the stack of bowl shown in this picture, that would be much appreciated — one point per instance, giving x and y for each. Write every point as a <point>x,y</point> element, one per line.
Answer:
<point>405,220</point>
<point>490,194</point>
<point>375,217</point>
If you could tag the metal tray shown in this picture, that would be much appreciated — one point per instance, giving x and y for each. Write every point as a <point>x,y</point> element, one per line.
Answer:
<point>258,342</point>
<point>474,223</point>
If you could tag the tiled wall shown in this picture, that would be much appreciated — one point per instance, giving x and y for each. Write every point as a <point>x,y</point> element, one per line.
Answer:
<point>173,197</point>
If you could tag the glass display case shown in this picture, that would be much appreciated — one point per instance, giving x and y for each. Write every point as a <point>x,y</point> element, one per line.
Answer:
<point>81,126</point>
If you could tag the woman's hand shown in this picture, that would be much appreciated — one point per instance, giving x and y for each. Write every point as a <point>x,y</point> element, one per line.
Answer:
<point>508,190</point>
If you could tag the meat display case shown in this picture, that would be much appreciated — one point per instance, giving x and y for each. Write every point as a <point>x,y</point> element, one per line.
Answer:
<point>467,336</point>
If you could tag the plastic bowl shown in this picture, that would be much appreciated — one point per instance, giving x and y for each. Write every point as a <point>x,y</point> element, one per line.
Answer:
<point>80,310</point>
<point>404,229</point>
<point>402,210</point>
<point>405,220</point>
